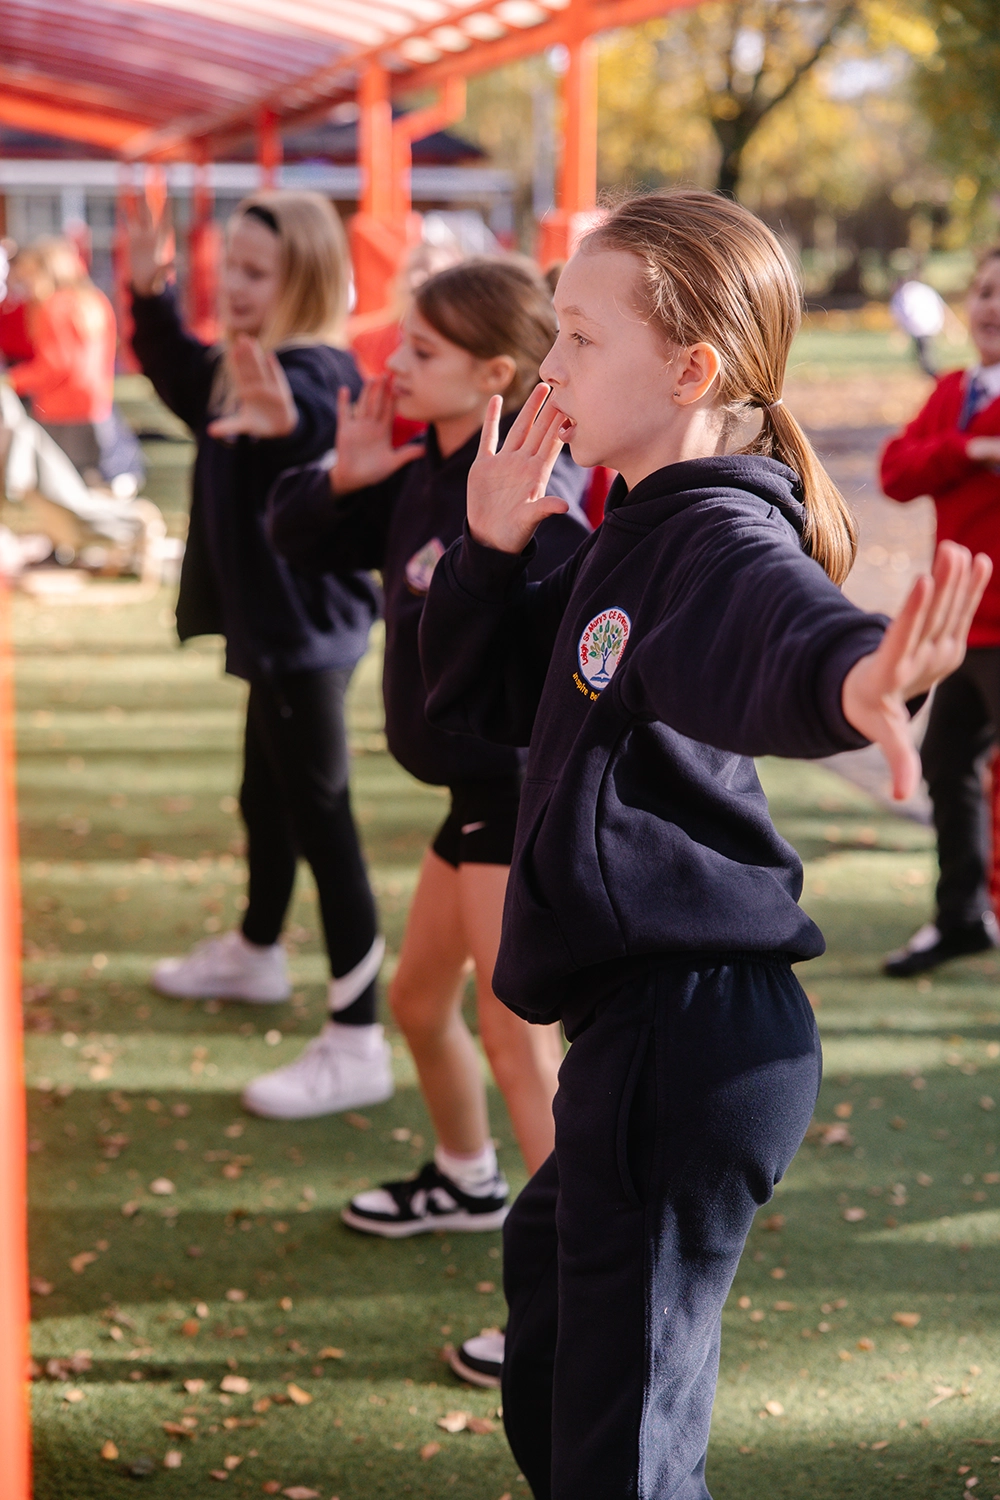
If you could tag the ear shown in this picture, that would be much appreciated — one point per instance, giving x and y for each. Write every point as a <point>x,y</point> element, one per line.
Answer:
<point>698,368</point>
<point>495,375</point>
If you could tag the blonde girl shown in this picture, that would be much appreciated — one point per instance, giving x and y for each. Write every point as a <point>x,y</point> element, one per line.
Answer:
<point>652,906</point>
<point>294,639</point>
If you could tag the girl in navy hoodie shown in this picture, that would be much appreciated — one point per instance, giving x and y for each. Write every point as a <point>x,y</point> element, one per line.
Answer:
<point>478,328</point>
<point>651,904</point>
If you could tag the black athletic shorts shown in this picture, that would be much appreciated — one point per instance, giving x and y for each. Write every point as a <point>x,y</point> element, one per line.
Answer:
<point>479,829</point>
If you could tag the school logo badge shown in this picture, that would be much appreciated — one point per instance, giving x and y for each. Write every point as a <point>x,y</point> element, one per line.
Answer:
<point>420,568</point>
<point>600,649</point>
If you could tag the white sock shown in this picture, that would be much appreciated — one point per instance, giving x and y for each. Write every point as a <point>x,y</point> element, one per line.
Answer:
<point>357,1039</point>
<point>474,1174</point>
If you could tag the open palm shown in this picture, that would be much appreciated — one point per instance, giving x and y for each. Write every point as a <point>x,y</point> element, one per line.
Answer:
<point>150,246</point>
<point>507,499</point>
<point>925,643</point>
<point>266,407</point>
<point>365,454</point>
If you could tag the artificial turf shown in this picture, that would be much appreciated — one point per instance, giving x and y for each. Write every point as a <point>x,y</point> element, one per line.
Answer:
<point>131,848</point>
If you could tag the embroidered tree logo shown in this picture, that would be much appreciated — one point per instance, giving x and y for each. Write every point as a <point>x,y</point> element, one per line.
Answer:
<point>606,641</point>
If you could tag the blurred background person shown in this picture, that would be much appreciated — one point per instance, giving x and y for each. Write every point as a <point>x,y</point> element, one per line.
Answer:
<point>921,313</point>
<point>69,377</point>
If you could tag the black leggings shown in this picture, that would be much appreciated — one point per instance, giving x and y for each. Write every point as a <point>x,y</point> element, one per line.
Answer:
<point>295,800</point>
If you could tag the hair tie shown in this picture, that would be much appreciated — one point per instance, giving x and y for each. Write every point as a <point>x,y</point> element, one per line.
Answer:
<point>772,404</point>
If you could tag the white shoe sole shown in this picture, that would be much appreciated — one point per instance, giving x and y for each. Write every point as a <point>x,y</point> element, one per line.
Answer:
<point>457,1223</point>
<point>298,1110</point>
<point>161,983</point>
<point>469,1375</point>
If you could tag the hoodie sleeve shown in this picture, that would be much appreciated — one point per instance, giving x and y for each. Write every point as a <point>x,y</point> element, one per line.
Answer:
<point>754,644</point>
<point>180,367</point>
<point>930,456</point>
<point>507,627</point>
<point>319,532</point>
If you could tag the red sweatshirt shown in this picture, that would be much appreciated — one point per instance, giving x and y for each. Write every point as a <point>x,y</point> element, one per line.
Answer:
<point>71,376</point>
<point>929,458</point>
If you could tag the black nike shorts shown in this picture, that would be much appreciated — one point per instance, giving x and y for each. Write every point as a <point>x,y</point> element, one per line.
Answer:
<point>479,829</point>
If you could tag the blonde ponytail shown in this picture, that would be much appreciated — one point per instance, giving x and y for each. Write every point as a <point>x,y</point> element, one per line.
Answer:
<point>710,272</point>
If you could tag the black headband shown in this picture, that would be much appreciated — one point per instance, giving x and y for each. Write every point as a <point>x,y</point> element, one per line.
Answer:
<point>258,211</point>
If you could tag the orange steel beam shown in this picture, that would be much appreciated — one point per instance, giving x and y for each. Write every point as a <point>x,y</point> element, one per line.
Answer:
<point>15,1451</point>
<point>44,89</point>
<point>375,142</point>
<point>269,148</point>
<point>114,134</point>
<point>447,110</point>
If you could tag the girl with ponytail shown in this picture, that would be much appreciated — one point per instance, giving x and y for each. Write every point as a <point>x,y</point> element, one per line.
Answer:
<point>652,906</point>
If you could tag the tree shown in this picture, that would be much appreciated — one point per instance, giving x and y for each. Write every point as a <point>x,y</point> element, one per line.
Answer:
<point>959,90</point>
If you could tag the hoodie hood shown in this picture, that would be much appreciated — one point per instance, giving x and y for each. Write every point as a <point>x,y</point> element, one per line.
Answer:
<point>669,490</point>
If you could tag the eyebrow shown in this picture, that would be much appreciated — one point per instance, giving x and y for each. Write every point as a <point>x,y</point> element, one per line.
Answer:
<point>578,312</point>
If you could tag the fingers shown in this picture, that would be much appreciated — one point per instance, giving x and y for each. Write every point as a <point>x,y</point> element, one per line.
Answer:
<point>490,434</point>
<point>544,430</point>
<point>405,455</point>
<point>523,422</point>
<point>906,631</point>
<point>344,405</point>
<point>229,427</point>
<point>550,505</point>
<point>901,755</point>
<point>952,565</point>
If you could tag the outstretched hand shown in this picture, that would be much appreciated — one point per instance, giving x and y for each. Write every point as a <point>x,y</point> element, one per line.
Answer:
<point>150,245</point>
<point>506,493</point>
<point>365,454</point>
<point>266,407</point>
<point>925,643</point>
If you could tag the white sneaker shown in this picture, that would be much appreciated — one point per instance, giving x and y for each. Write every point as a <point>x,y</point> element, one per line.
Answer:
<point>226,968</point>
<point>345,1067</point>
<point>480,1360</point>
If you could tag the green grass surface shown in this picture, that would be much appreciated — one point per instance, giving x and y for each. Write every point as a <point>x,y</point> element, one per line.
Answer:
<point>130,843</point>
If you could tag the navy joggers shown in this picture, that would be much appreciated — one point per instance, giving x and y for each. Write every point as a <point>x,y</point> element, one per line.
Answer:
<point>679,1107</point>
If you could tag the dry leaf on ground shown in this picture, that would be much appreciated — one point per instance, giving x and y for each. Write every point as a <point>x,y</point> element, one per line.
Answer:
<point>41,1287</point>
<point>218,1474</point>
<point>173,1458</point>
<point>298,1395</point>
<point>429,1450</point>
<point>190,1327</point>
<point>855,1215</point>
<point>454,1421</point>
<point>162,1187</point>
<point>330,1353</point>
<point>360,1122</point>
<point>774,1408</point>
<point>79,1263</point>
<point>236,1385</point>
<point>194,1386</point>
<point>176,1429</point>
<point>906,1320</point>
<point>485,1287</point>
<point>235,1295</point>
<point>481,1426</point>
<point>300,1492</point>
<point>232,1461</point>
<point>109,1451</point>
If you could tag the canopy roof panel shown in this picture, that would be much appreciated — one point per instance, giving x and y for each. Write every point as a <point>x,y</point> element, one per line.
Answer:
<point>172,78</point>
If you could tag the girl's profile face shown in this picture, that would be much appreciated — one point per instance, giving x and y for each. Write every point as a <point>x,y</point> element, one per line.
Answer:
<point>984,311</point>
<point>251,276</point>
<point>434,380</point>
<point>609,370</point>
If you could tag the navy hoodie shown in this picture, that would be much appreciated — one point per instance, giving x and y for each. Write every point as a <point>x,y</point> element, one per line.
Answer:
<point>689,634</point>
<point>403,526</point>
<point>274,618</point>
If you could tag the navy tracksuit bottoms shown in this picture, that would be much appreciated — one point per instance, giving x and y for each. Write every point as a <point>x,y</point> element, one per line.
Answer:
<point>679,1107</point>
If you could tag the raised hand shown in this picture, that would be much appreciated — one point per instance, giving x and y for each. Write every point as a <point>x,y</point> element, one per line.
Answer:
<point>924,643</point>
<point>507,498</point>
<point>365,454</point>
<point>266,407</point>
<point>150,245</point>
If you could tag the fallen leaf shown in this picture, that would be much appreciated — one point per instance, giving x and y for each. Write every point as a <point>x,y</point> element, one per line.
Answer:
<point>360,1122</point>
<point>429,1450</point>
<point>775,1223</point>
<point>218,1474</point>
<point>271,1486</point>
<point>882,1443</point>
<point>745,1302</point>
<point>232,1461</point>
<point>236,1385</point>
<point>79,1263</point>
<point>194,1386</point>
<point>109,1451</point>
<point>300,1492</point>
<point>906,1320</point>
<point>176,1429</point>
<point>235,1295</point>
<point>194,1252</point>
<point>941,1393</point>
<point>866,1345</point>
<point>480,1426</point>
<point>286,1304</point>
<point>73,1396</point>
<point>41,1287</point>
<point>330,1353</point>
<point>298,1395</point>
<point>130,1209</point>
<point>454,1421</point>
<point>843,1111</point>
<point>774,1408</point>
<point>261,1405</point>
<point>190,1327</point>
<point>162,1187</point>
<point>173,1458</point>
<point>897,1123</point>
<point>485,1287</point>
<point>784,1306</point>
<point>757,1316</point>
<point>987,1103</point>
<point>778,1274</point>
<point>854,1215</point>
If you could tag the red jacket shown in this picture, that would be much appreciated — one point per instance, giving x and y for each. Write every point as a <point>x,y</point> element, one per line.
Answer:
<point>71,376</point>
<point>929,458</point>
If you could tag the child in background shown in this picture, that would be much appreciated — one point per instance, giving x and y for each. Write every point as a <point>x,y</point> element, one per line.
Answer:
<point>295,638</point>
<point>651,905</point>
<point>951,450</point>
<point>472,331</point>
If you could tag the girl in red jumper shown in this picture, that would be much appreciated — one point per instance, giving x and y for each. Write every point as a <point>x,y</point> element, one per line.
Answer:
<point>951,451</point>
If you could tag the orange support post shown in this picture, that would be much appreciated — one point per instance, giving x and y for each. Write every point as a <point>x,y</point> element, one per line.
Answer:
<point>378,242</point>
<point>448,109</point>
<point>15,1440</point>
<point>123,273</point>
<point>576,189</point>
<point>269,148</point>
<point>204,248</point>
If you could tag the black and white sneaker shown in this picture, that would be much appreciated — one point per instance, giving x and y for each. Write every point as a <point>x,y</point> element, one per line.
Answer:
<point>479,1361</point>
<point>930,946</point>
<point>425,1203</point>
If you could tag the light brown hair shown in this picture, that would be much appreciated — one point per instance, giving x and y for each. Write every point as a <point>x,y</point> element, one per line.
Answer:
<point>493,307</point>
<point>315,266</point>
<point>711,272</point>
